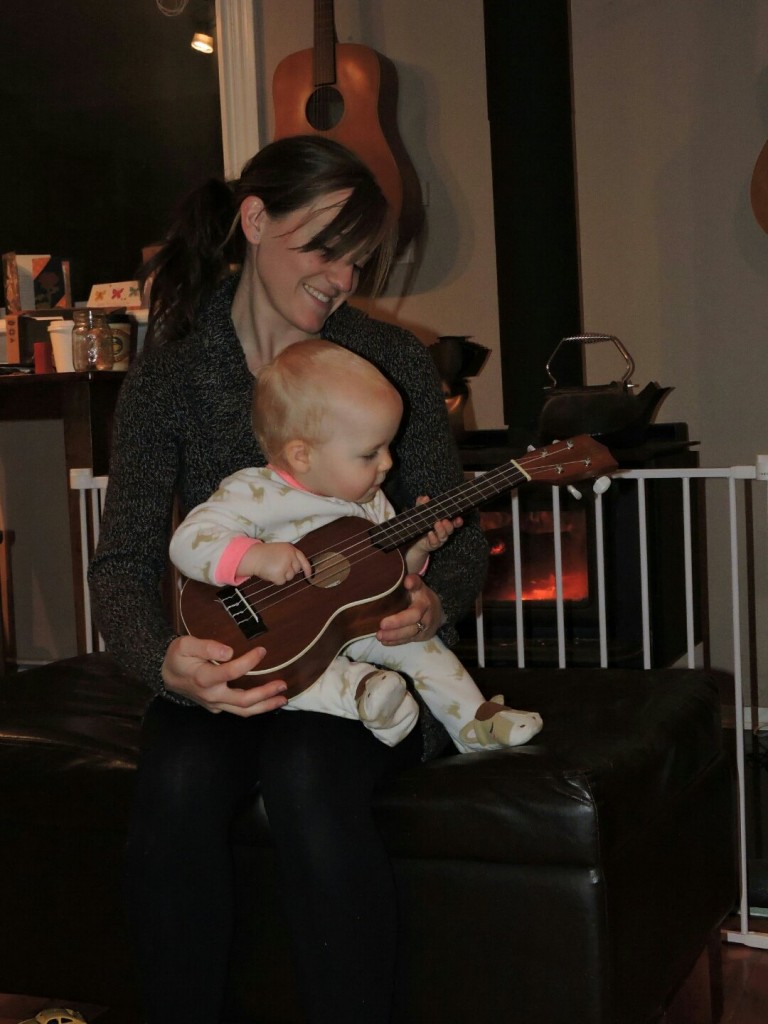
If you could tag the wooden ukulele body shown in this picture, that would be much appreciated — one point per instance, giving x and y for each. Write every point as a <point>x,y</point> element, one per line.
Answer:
<point>303,624</point>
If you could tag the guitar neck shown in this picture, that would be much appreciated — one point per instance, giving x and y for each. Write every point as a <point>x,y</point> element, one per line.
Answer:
<point>324,56</point>
<point>415,522</point>
<point>577,458</point>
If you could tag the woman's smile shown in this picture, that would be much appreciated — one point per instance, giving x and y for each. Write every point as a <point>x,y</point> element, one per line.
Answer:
<point>317,294</point>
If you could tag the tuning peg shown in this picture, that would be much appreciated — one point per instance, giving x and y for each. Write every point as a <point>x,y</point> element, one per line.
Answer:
<point>574,492</point>
<point>601,485</point>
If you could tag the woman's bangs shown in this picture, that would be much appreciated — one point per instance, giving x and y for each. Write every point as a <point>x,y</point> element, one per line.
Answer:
<point>358,228</point>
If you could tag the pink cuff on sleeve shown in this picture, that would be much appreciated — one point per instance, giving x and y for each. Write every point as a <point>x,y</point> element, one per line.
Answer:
<point>231,558</point>
<point>424,567</point>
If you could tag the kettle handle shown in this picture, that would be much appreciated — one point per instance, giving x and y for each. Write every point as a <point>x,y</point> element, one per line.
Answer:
<point>591,339</point>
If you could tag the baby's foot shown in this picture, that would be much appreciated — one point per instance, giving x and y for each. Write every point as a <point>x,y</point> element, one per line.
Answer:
<point>495,726</point>
<point>379,695</point>
<point>386,707</point>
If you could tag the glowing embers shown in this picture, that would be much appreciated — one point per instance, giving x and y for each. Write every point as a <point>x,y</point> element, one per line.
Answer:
<point>537,555</point>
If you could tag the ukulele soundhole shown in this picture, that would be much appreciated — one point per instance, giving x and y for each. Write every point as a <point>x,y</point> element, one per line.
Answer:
<point>329,569</point>
<point>325,108</point>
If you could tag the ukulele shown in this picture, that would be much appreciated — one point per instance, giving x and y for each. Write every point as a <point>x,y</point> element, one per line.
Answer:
<point>348,93</point>
<point>357,574</point>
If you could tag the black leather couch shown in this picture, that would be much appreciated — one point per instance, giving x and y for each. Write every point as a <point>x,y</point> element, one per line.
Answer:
<point>576,879</point>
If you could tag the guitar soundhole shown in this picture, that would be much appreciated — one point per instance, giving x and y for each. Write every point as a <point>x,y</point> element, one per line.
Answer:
<point>325,108</point>
<point>329,569</point>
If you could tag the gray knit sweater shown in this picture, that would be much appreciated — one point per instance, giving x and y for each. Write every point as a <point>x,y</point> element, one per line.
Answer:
<point>183,424</point>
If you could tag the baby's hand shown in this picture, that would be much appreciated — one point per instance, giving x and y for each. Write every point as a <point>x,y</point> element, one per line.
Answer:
<point>277,562</point>
<point>436,537</point>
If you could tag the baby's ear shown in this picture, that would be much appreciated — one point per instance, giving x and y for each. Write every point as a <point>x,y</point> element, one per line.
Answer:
<point>296,456</point>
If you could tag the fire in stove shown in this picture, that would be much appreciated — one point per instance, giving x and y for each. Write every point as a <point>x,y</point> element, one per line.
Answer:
<point>537,555</point>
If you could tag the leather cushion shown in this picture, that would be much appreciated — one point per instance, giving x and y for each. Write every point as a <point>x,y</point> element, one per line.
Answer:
<point>618,746</point>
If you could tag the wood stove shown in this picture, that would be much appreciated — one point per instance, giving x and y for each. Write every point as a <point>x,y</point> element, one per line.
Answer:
<point>575,521</point>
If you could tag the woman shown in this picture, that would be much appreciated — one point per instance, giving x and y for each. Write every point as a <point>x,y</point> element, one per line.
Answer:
<point>301,225</point>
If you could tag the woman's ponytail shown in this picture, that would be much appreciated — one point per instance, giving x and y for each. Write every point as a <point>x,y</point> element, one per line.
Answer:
<point>198,249</point>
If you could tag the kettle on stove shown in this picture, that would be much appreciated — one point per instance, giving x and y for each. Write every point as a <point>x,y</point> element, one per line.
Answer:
<point>614,410</point>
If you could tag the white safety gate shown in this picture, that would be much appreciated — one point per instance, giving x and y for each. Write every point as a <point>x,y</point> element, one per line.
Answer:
<point>91,491</point>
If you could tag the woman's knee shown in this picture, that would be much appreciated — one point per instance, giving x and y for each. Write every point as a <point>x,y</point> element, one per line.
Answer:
<point>192,763</point>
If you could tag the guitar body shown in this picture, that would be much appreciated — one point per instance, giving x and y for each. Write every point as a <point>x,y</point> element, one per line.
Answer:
<point>305,623</point>
<point>357,110</point>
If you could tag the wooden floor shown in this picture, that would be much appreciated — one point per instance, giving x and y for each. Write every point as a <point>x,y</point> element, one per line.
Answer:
<point>745,976</point>
<point>745,982</point>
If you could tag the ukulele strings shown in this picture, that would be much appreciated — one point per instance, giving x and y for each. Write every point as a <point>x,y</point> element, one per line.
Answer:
<point>422,518</point>
<point>360,547</point>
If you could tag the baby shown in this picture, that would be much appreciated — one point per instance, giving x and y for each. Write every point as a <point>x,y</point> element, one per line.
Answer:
<point>325,418</point>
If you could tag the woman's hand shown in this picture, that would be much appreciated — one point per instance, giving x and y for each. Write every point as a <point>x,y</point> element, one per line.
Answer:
<point>419,621</point>
<point>190,669</point>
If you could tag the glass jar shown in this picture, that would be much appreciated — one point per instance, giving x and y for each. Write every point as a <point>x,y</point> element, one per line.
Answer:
<point>121,326</point>
<point>91,341</point>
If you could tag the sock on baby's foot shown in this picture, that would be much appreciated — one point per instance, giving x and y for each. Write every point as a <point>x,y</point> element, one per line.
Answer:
<point>495,726</point>
<point>379,695</point>
<point>386,707</point>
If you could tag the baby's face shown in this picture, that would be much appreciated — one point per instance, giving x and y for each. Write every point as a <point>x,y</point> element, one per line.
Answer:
<point>354,461</point>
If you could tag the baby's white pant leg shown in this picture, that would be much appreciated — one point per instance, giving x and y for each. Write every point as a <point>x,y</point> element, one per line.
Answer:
<point>334,692</point>
<point>383,705</point>
<point>448,690</point>
<point>452,695</point>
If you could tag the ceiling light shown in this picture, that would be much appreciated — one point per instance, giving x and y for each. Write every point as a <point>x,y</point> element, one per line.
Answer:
<point>203,42</point>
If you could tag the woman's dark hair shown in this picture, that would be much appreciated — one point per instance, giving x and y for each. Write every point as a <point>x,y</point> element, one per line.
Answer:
<point>205,241</point>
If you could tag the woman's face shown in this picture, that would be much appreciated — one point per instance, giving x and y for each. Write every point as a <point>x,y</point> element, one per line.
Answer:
<point>296,289</point>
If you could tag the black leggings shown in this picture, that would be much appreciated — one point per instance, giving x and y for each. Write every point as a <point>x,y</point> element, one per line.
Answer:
<point>317,774</point>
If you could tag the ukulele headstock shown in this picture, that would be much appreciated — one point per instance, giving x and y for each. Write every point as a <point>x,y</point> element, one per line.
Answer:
<point>562,462</point>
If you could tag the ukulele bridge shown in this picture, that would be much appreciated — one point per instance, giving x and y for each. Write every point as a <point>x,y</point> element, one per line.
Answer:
<point>241,611</point>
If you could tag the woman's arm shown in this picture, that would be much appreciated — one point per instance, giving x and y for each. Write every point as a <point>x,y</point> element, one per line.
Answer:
<point>429,464</point>
<point>131,559</point>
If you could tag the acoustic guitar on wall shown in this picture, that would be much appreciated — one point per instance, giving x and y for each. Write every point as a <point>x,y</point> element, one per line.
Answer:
<point>348,92</point>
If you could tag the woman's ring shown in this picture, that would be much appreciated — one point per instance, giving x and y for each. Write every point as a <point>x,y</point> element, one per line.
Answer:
<point>420,626</point>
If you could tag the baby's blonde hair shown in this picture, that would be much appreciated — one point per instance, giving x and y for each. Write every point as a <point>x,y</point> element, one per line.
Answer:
<point>294,394</point>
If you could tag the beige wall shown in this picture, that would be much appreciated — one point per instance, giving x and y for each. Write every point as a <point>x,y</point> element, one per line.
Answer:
<point>671,112</point>
<point>33,505</point>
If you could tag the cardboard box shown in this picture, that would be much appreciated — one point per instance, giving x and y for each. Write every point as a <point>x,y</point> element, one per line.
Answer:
<point>36,282</point>
<point>22,330</point>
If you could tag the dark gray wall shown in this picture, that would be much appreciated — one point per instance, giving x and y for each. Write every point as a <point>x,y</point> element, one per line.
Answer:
<point>108,117</point>
<point>528,65</point>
